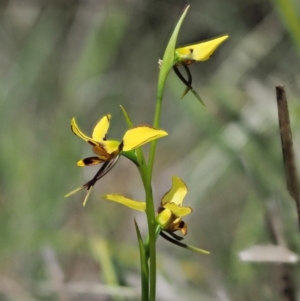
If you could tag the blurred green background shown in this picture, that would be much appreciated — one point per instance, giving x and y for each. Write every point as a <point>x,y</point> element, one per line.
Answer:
<point>64,59</point>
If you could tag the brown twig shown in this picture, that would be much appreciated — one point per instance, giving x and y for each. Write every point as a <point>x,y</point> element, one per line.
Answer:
<point>292,180</point>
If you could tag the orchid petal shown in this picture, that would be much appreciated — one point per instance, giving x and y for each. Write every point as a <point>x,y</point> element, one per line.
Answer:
<point>89,161</point>
<point>138,136</point>
<point>75,129</point>
<point>176,194</point>
<point>101,128</point>
<point>136,205</point>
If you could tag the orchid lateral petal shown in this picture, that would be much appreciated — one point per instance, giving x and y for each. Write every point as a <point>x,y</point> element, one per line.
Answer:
<point>101,128</point>
<point>89,161</point>
<point>136,205</point>
<point>201,51</point>
<point>139,136</point>
<point>177,210</point>
<point>75,129</point>
<point>180,244</point>
<point>177,193</point>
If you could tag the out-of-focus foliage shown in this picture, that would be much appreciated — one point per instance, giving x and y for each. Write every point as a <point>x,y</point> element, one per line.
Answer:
<point>60,59</point>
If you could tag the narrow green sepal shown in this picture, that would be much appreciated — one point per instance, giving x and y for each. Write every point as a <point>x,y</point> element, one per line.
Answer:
<point>131,156</point>
<point>144,263</point>
<point>138,157</point>
<point>127,118</point>
<point>169,58</point>
<point>157,231</point>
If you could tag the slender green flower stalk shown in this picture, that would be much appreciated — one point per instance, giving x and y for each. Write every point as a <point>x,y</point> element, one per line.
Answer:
<point>166,66</point>
<point>168,218</point>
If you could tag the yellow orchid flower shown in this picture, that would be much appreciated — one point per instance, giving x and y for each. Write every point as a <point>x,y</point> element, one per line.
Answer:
<point>186,55</point>
<point>109,151</point>
<point>170,212</point>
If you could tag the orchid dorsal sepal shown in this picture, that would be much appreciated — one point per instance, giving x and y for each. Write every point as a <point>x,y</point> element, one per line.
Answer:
<point>133,204</point>
<point>180,244</point>
<point>177,192</point>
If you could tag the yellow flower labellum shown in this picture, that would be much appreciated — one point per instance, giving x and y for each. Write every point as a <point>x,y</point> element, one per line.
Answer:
<point>136,205</point>
<point>201,51</point>
<point>139,136</point>
<point>164,218</point>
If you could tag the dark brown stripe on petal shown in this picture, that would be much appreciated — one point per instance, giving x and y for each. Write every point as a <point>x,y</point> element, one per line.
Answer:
<point>91,143</point>
<point>91,161</point>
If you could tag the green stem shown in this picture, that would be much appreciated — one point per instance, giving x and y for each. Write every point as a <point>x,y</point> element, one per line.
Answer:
<point>167,64</point>
<point>142,166</point>
<point>151,246</point>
